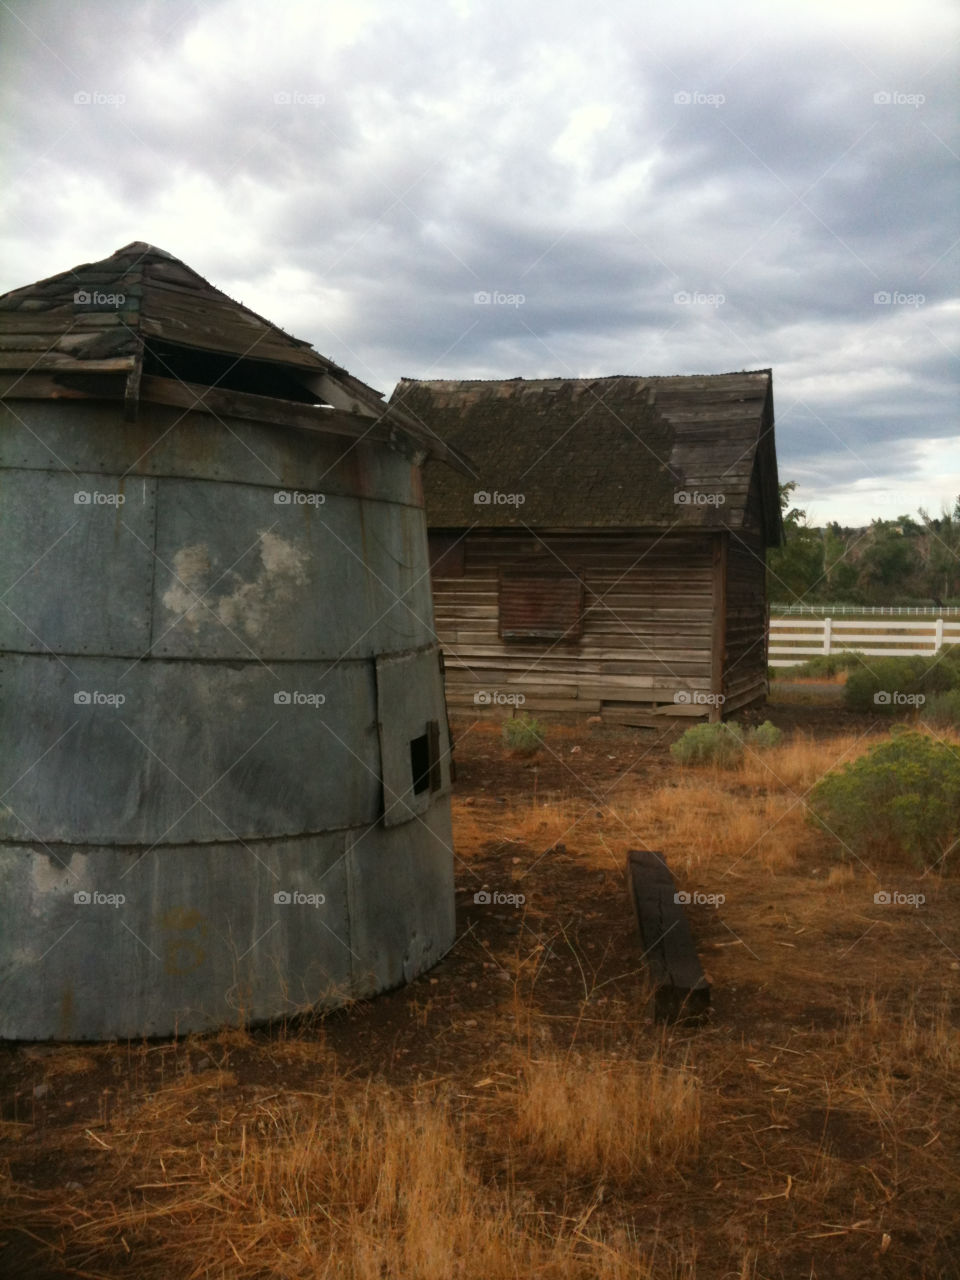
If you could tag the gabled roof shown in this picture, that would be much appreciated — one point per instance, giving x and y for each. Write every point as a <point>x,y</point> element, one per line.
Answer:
<point>142,325</point>
<point>614,452</point>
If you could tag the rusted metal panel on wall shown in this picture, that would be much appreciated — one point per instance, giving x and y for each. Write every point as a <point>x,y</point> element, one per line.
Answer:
<point>409,701</point>
<point>39,435</point>
<point>540,604</point>
<point>401,929</point>
<point>58,534</point>
<point>195,751</point>
<point>100,943</point>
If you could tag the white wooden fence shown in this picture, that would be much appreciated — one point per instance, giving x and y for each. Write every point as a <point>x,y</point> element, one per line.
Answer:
<point>864,610</point>
<point>794,640</point>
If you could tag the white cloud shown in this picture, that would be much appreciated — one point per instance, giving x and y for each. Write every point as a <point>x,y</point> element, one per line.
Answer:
<point>414,157</point>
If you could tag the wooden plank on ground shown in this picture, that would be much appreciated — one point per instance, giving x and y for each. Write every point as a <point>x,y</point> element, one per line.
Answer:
<point>680,988</point>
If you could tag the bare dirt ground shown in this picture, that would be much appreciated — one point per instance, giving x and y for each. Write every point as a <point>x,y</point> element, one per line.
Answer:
<point>822,1140</point>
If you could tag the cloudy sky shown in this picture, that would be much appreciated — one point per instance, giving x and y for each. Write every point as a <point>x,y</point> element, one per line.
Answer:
<point>696,187</point>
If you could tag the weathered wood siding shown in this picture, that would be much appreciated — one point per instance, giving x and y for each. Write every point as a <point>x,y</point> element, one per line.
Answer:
<point>745,662</point>
<point>647,626</point>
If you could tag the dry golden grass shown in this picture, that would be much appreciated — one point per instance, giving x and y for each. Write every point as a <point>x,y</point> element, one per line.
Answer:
<point>799,762</point>
<point>62,1061</point>
<point>607,1119</point>
<point>777,1141</point>
<point>357,1183</point>
<point>879,1036</point>
<point>693,825</point>
<point>754,814</point>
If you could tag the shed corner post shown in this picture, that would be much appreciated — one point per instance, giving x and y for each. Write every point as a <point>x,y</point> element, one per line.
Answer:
<point>719,634</point>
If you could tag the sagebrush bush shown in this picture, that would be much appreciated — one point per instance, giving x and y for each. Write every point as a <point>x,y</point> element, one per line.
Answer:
<point>719,743</point>
<point>826,665</point>
<point>723,743</point>
<point>901,798</point>
<point>942,710</point>
<point>523,734</point>
<point>763,737</point>
<point>908,676</point>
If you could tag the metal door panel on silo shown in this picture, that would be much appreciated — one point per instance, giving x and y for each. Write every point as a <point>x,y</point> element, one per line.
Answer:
<point>193,752</point>
<point>414,749</point>
<point>245,577</point>
<point>57,534</point>
<point>396,929</point>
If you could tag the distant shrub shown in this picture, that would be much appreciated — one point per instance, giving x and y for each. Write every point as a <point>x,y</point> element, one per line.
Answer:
<point>902,798</point>
<point>907,677</point>
<point>719,743</point>
<point>942,710</point>
<point>826,665</point>
<point>723,743</point>
<point>763,737</point>
<point>523,734</point>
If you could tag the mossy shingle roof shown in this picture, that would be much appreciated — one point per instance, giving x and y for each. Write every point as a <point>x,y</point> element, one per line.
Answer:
<point>656,453</point>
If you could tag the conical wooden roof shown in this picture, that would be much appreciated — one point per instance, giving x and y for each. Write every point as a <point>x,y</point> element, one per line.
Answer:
<point>141,325</point>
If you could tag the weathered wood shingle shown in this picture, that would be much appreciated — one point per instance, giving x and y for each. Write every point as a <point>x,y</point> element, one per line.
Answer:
<point>71,321</point>
<point>143,326</point>
<point>614,452</point>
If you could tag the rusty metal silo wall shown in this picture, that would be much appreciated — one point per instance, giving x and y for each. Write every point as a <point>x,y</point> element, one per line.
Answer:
<point>217,684</point>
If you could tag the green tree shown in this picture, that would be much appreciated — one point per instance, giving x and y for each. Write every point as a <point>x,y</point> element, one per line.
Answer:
<point>794,570</point>
<point>941,546</point>
<point>890,561</point>
<point>839,566</point>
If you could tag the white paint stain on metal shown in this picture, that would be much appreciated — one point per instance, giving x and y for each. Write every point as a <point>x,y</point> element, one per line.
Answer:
<point>50,876</point>
<point>190,566</point>
<point>249,604</point>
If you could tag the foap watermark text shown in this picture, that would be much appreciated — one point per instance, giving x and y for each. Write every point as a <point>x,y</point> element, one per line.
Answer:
<point>497,698</point>
<point>697,698</point>
<point>497,298</point>
<point>893,898</point>
<point>297,698</point>
<point>94,898</point>
<point>484,498</point>
<point>894,698</point>
<point>697,899</point>
<point>488,897</point>
<point>697,498</point>
<point>295,498</point>
<point>95,698</point>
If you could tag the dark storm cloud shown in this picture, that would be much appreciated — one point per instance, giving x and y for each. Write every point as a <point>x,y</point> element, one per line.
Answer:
<point>680,191</point>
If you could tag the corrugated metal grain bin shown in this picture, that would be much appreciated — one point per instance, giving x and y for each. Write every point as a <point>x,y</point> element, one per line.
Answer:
<point>225,766</point>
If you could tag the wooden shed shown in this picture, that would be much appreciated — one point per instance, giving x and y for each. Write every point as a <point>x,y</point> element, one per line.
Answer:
<point>608,556</point>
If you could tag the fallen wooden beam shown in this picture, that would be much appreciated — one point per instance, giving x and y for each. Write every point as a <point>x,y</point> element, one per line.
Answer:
<point>680,989</point>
